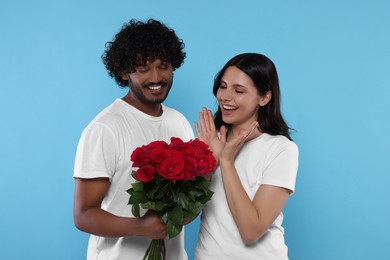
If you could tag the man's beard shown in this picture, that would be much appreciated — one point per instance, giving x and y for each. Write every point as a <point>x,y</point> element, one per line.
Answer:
<point>139,94</point>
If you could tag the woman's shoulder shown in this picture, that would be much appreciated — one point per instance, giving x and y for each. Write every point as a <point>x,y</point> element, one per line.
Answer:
<point>279,142</point>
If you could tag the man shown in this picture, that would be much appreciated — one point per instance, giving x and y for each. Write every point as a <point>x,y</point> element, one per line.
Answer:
<point>142,57</point>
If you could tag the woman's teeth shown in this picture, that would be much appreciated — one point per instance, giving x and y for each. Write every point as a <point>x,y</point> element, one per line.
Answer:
<point>228,107</point>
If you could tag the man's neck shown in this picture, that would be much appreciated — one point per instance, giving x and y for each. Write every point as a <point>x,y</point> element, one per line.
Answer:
<point>151,109</point>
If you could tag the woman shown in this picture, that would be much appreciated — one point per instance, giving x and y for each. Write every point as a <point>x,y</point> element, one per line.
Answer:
<point>258,164</point>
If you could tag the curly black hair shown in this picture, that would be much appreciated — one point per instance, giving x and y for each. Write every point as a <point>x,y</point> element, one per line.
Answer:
<point>139,42</point>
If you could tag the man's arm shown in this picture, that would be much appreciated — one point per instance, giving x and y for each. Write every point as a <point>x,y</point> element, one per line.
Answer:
<point>90,218</point>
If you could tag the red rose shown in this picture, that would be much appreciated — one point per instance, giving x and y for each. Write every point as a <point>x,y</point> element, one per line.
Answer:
<point>177,161</point>
<point>176,141</point>
<point>176,154</point>
<point>145,173</point>
<point>200,148</point>
<point>176,144</point>
<point>172,168</point>
<point>189,151</point>
<point>158,155</point>
<point>156,144</point>
<point>190,168</point>
<point>140,156</point>
<point>206,164</point>
<point>199,145</point>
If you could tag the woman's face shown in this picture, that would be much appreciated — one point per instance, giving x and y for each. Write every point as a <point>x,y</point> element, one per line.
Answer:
<point>238,98</point>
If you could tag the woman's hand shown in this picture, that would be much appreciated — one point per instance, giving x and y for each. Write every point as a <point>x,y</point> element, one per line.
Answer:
<point>208,133</point>
<point>232,147</point>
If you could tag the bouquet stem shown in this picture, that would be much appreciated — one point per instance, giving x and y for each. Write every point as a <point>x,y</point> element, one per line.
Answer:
<point>156,250</point>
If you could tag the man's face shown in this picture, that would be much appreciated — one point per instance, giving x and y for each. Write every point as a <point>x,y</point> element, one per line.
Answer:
<point>151,83</point>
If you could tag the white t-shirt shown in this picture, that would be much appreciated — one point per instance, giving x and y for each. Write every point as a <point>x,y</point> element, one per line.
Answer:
<point>104,150</point>
<point>267,159</point>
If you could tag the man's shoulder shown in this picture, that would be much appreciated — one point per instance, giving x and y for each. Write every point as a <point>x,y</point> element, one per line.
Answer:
<point>109,116</point>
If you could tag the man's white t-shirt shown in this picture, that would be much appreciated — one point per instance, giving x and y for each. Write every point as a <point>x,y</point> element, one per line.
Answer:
<point>104,150</point>
<point>267,159</point>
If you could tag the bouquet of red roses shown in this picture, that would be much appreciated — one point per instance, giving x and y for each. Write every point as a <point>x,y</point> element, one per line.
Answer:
<point>169,181</point>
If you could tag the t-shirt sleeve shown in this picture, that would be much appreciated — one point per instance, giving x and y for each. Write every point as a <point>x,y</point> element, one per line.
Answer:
<point>96,153</point>
<point>283,166</point>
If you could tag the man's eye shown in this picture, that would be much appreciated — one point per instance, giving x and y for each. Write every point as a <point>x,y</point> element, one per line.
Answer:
<point>164,66</point>
<point>142,69</point>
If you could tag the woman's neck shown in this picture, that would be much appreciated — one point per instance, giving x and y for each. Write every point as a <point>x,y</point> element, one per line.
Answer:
<point>234,131</point>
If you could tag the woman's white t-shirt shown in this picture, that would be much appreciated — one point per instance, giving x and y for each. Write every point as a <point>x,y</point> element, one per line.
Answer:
<point>267,159</point>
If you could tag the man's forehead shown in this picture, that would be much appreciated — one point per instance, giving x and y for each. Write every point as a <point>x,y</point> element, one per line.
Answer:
<point>148,61</point>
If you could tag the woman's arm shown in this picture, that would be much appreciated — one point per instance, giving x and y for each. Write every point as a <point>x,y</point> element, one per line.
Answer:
<point>252,218</point>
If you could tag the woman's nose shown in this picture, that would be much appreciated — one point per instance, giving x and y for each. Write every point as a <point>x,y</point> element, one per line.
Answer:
<point>226,96</point>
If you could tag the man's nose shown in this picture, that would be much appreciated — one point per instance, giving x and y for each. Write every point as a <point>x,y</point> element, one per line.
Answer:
<point>155,76</point>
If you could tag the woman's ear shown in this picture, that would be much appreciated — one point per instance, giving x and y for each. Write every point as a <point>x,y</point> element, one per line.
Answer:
<point>265,99</point>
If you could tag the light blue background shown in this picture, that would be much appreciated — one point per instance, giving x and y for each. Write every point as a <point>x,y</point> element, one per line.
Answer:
<point>333,59</point>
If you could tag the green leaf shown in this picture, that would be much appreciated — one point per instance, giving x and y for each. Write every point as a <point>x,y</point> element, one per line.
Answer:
<point>151,193</point>
<point>196,193</point>
<point>149,205</point>
<point>158,206</point>
<point>205,197</point>
<point>162,191</point>
<point>138,186</point>
<point>190,215</point>
<point>195,207</point>
<point>161,206</point>
<point>176,215</point>
<point>130,191</point>
<point>173,229</point>
<point>138,197</point>
<point>156,190</point>
<point>133,174</point>
<point>135,210</point>
<point>182,200</point>
<point>201,182</point>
